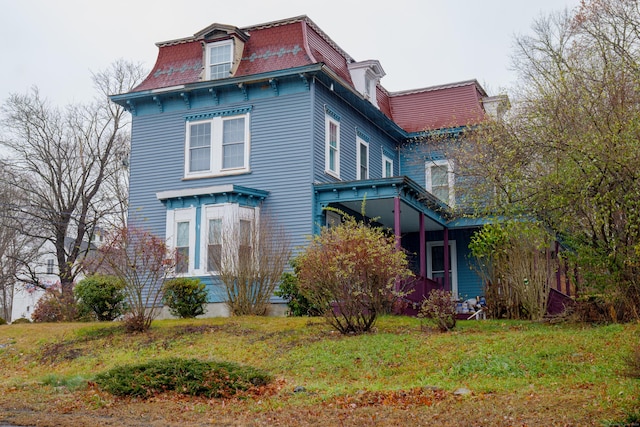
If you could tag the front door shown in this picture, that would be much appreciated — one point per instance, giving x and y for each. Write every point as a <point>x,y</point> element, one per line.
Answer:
<point>435,264</point>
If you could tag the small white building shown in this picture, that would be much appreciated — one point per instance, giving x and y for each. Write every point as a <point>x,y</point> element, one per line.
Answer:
<point>26,296</point>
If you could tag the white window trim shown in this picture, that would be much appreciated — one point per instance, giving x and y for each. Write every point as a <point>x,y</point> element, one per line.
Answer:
<point>208,58</point>
<point>450,175</point>
<point>386,159</point>
<point>175,216</point>
<point>335,173</point>
<point>361,142</point>
<point>215,160</point>
<point>453,264</point>
<point>231,214</point>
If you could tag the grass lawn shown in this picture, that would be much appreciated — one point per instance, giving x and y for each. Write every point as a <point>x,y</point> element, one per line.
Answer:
<point>516,373</point>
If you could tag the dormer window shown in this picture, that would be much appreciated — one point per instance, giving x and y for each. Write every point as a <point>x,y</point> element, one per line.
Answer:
<point>219,59</point>
<point>367,85</point>
<point>365,76</point>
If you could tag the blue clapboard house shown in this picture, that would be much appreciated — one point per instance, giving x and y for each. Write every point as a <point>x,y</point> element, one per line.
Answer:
<point>277,117</point>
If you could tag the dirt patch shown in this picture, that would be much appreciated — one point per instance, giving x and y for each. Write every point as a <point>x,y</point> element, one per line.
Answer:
<point>58,352</point>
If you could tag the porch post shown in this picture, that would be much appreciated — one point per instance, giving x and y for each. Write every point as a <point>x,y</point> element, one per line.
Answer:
<point>445,248</point>
<point>423,249</point>
<point>396,221</point>
<point>396,230</point>
<point>558,266</point>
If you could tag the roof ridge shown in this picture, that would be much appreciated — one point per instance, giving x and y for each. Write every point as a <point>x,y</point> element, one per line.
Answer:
<point>440,87</point>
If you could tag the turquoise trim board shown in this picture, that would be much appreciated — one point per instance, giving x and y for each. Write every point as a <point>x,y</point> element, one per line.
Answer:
<point>199,197</point>
<point>407,190</point>
<point>219,113</point>
<point>243,196</point>
<point>331,113</point>
<point>363,135</point>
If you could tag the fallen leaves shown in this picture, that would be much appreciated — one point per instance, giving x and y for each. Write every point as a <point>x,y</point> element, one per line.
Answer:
<point>398,398</point>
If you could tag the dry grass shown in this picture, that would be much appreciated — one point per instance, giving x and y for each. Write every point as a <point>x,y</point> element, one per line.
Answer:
<point>518,373</point>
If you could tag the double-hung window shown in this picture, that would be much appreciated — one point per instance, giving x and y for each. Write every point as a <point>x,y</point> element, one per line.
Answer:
<point>214,244</point>
<point>219,57</point>
<point>217,146</point>
<point>200,147</point>
<point>362,159</point>
<point>245,250</point>
<point>182,247</point>
<point>440,180</point>
<point>233,142</point>
<point>332,146</point>
<point>181,229</point>
<point>387,167</point>
<point>228,237</point>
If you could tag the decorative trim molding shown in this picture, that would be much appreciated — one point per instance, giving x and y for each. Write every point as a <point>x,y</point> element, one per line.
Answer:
<point>363,135</point>
<point>331,113</point>
<point>219,113</point>
<point>389,153</point>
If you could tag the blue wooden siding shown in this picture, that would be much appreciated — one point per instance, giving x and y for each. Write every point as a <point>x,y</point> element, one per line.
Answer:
<point>280,160</point>
<point>413,157</point>
<point>350,120</point>
<point>287,156</point>
<point>413,160</point>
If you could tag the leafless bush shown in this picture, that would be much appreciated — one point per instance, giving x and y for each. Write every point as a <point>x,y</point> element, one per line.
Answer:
<point>249,256</point>
<point>143,262</point>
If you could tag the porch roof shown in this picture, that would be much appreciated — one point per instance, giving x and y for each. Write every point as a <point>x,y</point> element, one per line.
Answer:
<point>378,196</point>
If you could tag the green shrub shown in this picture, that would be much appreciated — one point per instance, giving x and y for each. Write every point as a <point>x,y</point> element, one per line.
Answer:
<point>103,296</point>
<point>20,320</point>
<point>185,376</point>
<point>185,297</point>
<point>289,290</point>
<point>350,272</point>
<point>439,309</point>
<point>2,321</point>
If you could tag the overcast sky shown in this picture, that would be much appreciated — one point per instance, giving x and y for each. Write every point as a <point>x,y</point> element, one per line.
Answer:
<point>55,44</point>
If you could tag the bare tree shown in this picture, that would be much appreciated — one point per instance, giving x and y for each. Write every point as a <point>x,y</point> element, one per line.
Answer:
<point>73,159</point>
<point>143,263</point>
<point>16,247</point>
<point>569,152</point>
<point>249,256</point>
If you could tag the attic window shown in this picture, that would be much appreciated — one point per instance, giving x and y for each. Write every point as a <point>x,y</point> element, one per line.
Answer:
<point>219,58</point>
<point>367,85</point>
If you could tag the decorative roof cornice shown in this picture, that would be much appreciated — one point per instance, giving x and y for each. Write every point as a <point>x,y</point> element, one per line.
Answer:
<point>212,190</point>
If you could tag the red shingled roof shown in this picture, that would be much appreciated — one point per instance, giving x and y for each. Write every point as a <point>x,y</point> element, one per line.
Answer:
<point>298,41</point>
<point>274,48</point>
<point>176,65</point>
<point>453,105</point>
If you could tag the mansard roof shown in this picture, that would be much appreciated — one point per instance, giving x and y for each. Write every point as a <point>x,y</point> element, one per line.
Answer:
<point>298,42</point>
<point>436,107</point>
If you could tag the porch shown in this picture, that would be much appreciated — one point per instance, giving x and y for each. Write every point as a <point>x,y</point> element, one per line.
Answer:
<point>406,209</point>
